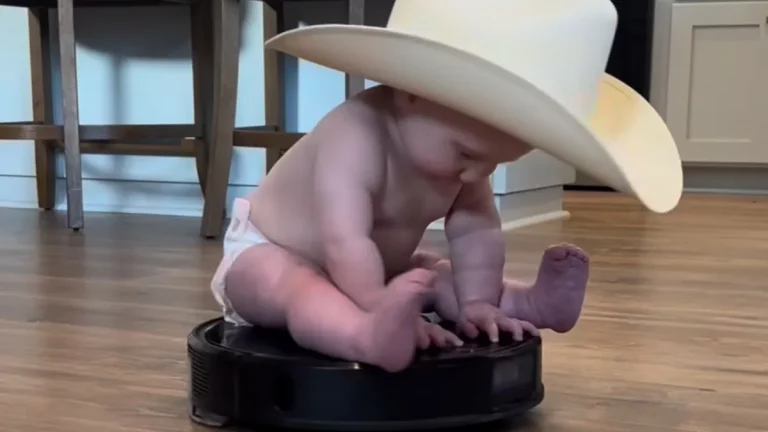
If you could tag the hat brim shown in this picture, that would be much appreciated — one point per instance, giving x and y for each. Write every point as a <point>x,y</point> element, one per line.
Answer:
<point>625,144</point>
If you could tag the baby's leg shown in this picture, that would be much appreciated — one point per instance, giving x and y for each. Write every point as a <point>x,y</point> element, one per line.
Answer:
<point>554,301</point>
<point>270,286</point>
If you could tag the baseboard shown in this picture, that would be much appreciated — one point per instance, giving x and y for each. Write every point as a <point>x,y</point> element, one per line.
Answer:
<point>521,209</point>
<point>734,180</point>
<point>583,188</point>
<point>526,208</point>
<point>117,196</point>
<point>517,210</point>
<point>184,199</point>
<point>535,220</point>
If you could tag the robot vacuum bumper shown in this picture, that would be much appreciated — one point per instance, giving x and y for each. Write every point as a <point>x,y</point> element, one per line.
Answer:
<point>255,377</point>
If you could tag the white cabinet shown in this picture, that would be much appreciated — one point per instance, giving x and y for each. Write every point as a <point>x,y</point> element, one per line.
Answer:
<point>716,101</point>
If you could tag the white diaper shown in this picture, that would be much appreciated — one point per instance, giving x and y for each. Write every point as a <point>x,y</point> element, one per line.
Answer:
<point>240,235</point>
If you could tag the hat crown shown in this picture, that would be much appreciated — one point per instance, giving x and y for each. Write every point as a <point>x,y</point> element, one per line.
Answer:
<point>560,46</point>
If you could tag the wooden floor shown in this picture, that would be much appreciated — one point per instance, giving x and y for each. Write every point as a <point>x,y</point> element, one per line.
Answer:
<point>672,339</point>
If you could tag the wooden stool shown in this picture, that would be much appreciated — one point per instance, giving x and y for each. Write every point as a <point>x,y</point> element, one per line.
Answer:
<point>209,47</point>
<point>272,136</point>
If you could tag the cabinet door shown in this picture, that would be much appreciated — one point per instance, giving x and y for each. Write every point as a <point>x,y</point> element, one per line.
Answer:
<point>717,104</point>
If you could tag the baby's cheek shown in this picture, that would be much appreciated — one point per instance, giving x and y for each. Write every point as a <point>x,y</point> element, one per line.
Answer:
<point>437,159</point>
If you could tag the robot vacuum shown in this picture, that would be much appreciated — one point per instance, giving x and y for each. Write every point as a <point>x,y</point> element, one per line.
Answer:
<point>251,377</point>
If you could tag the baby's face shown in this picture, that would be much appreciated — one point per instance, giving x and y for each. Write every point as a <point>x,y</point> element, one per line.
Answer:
<point>445,144</point>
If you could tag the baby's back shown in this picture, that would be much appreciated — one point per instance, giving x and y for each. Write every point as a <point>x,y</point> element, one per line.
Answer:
<point>282,205</point>
<point>285,205</point>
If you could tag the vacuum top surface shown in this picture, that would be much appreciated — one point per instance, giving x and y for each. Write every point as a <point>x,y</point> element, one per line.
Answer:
<point>278,345</point>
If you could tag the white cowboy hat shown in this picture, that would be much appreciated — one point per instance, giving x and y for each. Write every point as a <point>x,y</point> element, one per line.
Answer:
<point>532,68</point>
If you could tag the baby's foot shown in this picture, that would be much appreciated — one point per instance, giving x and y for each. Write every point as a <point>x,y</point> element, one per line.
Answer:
<point>392,335</point>
<point>556,298</point>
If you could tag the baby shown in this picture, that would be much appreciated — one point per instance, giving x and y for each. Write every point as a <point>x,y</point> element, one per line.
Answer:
<point>326,246</point>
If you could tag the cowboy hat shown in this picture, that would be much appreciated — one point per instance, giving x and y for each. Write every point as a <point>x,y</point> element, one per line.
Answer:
<point>532,68</point>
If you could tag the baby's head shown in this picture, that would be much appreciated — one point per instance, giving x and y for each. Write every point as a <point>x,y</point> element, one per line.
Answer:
<point>447,144</point>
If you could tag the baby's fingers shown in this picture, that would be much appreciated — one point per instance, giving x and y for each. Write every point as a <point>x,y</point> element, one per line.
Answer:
<point>513,326</point>
<point>518,328</point>
<point>469,329</point>
<point>492,329</point>
<point>444,338</point>
<point>530,328</point>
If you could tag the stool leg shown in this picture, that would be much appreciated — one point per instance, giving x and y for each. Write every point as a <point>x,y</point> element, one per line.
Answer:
<point>45,151</point>
<point>226,31</point>
<point>355,15</point>
<point>202,77</point>
<point>71,114</point>
<point>274,91</point>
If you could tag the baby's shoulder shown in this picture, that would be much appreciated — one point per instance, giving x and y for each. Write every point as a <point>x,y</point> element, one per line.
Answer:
<point>355,138</point>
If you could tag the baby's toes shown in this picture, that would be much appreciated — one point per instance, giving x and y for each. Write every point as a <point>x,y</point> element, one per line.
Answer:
<point>557,252</point>
<point>564,251</point>
<point>578,253</point>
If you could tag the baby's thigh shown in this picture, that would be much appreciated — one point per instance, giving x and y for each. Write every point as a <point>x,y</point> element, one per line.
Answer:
<point>255,283</point>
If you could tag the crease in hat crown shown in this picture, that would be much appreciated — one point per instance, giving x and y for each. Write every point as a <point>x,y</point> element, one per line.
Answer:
<point>560,46</point>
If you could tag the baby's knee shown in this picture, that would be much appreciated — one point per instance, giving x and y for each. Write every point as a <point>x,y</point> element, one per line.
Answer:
<point>243,270</point>
<point>257,265</point>
<point>250,285</point>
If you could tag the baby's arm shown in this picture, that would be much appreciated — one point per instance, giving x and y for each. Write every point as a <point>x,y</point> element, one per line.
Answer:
<point>346,174</point>
<point>473,229</point>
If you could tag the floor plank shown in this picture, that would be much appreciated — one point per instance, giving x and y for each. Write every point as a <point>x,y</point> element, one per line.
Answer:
<point>673,336</point>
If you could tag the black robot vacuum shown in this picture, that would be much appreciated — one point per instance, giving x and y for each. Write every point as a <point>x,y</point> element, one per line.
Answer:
<point>251,377</point>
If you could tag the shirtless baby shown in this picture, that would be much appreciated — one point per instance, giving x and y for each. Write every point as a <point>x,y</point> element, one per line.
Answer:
<point>326,246</point>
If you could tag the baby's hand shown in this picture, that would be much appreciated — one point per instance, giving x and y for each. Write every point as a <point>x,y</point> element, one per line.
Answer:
<point>482,316</point>
<point>432,334</point>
